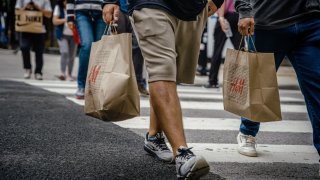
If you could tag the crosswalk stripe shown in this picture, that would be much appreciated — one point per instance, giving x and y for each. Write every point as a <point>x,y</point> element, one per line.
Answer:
<point>200,123</point>
<point>219,106</point>
<point>49,83</point>
<point>181,95</point>
<point>285,108</point>
<point>220,97</point>
<point>181,89</point>
<point>267,153</point>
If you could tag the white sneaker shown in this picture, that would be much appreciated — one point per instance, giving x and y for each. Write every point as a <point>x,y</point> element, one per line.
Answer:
<point>27,74</point>
<point>38,76</point>
<point>247,145</point>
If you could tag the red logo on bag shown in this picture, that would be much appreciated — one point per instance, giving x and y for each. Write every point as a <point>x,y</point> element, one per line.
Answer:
<point>94,73</point>
<point>237,85</point>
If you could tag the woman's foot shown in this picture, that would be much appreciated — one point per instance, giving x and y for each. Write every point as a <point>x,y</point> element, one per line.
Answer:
<point>70,78</point>
<point>61,77</point>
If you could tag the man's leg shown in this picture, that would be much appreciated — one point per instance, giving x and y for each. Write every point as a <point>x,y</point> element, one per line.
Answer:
<point>163,94</point>
<point>25,43</point>
<point>154,142</point>
<point>155,30</point>
<point>154,126</point>
<point>305,60</point>
<point>265,41</point>
<point>38,49</point>
<point>219,41</point>
<point>86,33</point>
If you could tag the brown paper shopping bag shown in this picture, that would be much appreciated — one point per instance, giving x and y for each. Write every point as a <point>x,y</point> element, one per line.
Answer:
<point>29,21</point>
<point>250,87</point>
<point>111,92</point>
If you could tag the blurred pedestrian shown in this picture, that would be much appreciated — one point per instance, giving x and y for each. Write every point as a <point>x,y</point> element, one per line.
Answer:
<point>124,25</point>
<point>225,28</point>
<point>285,28</point>
<point>169,35</point>
<point>67,44</point>
<point>87,16</point>
<point>34,40</point>
<point>203,58</point>
<point>3,25</point>
<point>10,24</point>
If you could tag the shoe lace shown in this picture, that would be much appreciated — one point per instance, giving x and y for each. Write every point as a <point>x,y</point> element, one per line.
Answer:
<point>161,143</point>
<point>185,153</point>
<point>249,140</point>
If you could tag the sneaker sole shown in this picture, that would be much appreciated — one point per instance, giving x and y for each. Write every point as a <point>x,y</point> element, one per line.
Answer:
<point>79,97</point>
<point>247,153</point>
<point>200,169</point>
<point>151,153</point>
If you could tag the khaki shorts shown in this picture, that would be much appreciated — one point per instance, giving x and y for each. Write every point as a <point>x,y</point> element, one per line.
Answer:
<point>170,46</point>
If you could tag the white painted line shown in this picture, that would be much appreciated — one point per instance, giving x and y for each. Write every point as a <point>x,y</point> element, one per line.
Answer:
<point>142,122</point>
<point>198,90</point>
<point>77,101</point>
<point>220,97</point>
<point>212,106</point>
<point>180,89</point>
<point>219,106</point>
<point>53,84</point>
<point>267,153</point>
<point>61,90</point>
<point>67,90</point>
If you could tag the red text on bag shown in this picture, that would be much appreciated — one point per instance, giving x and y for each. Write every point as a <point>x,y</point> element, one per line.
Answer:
<point>237,85</point>
<point>94,73</point>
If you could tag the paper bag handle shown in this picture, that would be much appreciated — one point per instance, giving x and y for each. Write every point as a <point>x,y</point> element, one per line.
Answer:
<point>109,31</point>
<point>250,37</point>
<point>254,46</point>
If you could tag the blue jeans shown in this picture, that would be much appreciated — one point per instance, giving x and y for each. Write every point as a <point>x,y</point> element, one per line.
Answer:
<point>90,27</point>
<point>301,44</point>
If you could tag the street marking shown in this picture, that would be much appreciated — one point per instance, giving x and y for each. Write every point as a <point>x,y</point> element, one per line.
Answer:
<point>191,123</point>
<point>220,97</point>
<point>181,89</point>
<point>200,97</point>
<point>219,106</point>
<point>267,153</point>
<point>195,105</point>
<point>219,152</point>
<point>50,83</point>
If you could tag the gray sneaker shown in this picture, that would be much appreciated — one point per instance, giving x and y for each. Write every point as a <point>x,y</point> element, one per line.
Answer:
<point>156,146</point>
<point>247,145</point>
<point>190,166</point>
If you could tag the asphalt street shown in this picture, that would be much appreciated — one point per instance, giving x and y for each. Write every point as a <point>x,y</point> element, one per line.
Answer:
<point>44,133</point>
